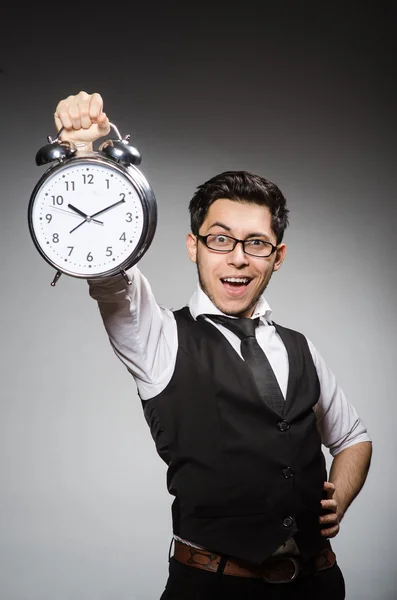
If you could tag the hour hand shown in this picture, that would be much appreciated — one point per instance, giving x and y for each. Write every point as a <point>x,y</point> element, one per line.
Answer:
<point>77,210</point>
<point>87,218</point>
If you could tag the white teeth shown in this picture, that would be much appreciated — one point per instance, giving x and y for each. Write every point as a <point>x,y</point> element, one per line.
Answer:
<point>236,279</point>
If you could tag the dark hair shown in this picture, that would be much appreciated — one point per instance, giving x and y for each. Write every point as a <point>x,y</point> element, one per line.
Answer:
<point>241,186</point>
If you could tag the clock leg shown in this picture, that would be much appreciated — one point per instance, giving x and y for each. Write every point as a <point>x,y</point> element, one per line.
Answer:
<point>124,274</point>
<point>57,276</point>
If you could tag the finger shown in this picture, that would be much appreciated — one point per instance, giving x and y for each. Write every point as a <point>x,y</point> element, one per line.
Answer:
<point>329,504</point>
<point>95,107</point>
<point>62,117</point>
<point>330,518</point>
<point>72,103</point>
<point>74,113</point>
<point>330,532</point>
<point>83,103</point>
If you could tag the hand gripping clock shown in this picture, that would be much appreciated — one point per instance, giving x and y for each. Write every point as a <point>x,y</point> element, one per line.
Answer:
<point>92,214</point>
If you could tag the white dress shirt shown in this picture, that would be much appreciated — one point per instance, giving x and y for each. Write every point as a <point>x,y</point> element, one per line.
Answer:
<point>144,336</point>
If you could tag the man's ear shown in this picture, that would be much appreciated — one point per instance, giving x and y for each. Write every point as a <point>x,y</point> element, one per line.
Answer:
<point>280,255</point>
<point>191,245</point>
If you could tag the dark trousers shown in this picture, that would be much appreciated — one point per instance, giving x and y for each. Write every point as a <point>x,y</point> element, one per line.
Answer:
<point>189,583</point>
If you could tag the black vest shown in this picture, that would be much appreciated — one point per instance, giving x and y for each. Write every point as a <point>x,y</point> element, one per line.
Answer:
<point>245,479</point>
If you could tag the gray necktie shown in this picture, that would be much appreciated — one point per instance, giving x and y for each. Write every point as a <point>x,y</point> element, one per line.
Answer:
<point>255,358</point>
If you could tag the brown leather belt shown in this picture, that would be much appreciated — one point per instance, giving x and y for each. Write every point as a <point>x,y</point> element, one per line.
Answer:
<point>276,569</point>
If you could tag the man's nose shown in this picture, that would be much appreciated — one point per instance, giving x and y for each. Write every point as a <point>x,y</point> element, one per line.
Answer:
<point>237,256</point>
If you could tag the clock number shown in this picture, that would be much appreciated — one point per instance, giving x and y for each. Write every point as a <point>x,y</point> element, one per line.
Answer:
<point>55,238</point>
<point>107,183</point>
<point>122,237</point>
<point>122,196</point>
<point>109,251</point>
<point>69,184</point>
<point>90,258</point>
<point>49,218</point>
<point>57,200</point>
<point>129,217</point>
<point>88,178</point>
<point>71,248</point>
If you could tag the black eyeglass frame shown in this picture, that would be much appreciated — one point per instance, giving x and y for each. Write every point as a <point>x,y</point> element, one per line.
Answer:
<point>203,239</point>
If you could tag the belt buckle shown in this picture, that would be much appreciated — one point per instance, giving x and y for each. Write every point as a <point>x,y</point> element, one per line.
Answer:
<point>269,574</point>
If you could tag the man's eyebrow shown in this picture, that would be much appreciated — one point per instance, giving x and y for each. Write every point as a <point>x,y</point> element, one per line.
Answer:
<point>219,224</point>
<point>250,235</point>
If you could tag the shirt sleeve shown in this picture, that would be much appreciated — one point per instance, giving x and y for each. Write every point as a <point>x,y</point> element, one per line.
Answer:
<point>142,333</point>
<point>337,420</point>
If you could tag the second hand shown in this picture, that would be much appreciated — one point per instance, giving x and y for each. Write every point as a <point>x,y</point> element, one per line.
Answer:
<point>74,214</point>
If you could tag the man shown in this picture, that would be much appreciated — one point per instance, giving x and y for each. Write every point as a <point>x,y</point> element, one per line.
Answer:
<point>238,406</point>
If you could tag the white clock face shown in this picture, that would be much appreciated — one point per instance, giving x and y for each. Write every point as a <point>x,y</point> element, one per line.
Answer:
<point>87,218</point>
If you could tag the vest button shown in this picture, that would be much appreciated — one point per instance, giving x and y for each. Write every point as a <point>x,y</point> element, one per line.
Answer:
<point>288,522</point>
<point>287,472</point>
<point>283,425</point>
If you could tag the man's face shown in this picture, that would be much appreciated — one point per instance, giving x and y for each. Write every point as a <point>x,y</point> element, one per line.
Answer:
<point>242,221</point>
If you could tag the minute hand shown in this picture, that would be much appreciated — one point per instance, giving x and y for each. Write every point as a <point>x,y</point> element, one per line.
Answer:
<point>107,208</point>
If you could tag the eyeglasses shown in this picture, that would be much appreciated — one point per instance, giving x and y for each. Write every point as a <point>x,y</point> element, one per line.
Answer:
<point>225,243</point>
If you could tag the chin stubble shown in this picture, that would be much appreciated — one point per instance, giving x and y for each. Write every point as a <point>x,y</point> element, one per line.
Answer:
<point>213,300</point>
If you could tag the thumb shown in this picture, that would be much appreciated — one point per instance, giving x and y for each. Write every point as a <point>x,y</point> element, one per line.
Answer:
<point>103,124</point>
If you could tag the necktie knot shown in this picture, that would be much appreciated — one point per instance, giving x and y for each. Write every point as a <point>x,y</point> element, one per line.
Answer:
<point>255,358</point>
<point>242,327</point>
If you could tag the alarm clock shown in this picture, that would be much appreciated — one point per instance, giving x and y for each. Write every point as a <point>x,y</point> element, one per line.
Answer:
<point>91,214</point>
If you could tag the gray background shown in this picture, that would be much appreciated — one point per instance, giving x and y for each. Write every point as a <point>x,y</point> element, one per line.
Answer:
<point>304,96</point>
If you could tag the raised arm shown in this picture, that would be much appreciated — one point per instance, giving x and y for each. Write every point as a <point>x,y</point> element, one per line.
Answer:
<point>142,334</point>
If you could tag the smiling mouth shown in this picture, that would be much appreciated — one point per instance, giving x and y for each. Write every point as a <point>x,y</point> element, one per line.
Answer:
<point>236,281</point>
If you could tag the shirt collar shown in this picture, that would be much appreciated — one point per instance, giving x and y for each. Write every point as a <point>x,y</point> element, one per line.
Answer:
<point>200,304</point>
